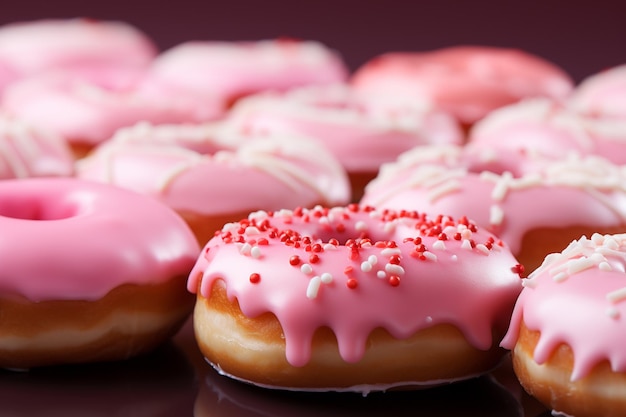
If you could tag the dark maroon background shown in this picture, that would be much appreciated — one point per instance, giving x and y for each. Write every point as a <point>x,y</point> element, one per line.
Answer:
<point>581,36</point>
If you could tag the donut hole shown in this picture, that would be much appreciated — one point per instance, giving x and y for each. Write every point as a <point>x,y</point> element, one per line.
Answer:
<point>34,209</point>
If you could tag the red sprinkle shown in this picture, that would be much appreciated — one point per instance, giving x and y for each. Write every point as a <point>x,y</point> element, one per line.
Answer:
<point>294,260</point>
<point>255,278</point>
<point>394,280</point>
<point>395,260</point>
<point>518,269</point>
<point>314,258</point>
<point>352,283</point>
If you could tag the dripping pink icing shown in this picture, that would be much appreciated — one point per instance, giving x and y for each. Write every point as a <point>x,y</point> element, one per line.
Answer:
<point>66,239</point>
<point>578,297</point>
<point>467,81</point>
<point>397,270</point>
<point>29,152</point>
<point>230,70</point>
<point>574,191</point>
<point>361,131</point>
<point>217,168</point>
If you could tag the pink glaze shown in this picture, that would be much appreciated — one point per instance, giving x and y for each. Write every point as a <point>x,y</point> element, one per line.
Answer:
<point>356,269</point>
<point>577,297</point>
<point>466,81</point>
<point>29,152</point>
<point>84,112</point>
<point>230,70</point>
<point>570,192</point>
<point>361,131</point>
<point>83,46</point>
<point>602,95</point>
<point>216,169</point>
<point>549,129</point>
<point>66,239</point>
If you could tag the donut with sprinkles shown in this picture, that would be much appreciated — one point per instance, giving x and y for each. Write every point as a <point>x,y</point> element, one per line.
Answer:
<point>352,299</point>
<point>568,329</point>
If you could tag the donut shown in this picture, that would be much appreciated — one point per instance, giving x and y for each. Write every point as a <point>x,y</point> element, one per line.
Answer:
<point>362,132</point>
<point>29,152</point>
<point>549,129</point>
<point>550,202</point>
<point>90,272</point>
<point>86,47</point>
<point>601,95</point>
<point>228,71</point>
<point>215,173</point>
<point>86,113</point>
<point>352,299</point>
<point>466,81</point>
<point>567,332</point>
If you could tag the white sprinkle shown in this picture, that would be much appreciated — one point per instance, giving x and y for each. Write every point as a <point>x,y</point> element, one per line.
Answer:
<point>360,226</point>
<point>502,186</point>
<point>306,269</point>
<point>389,227</point>
<point>394,269</point>
<point>324,220</point>
<point>372,259</point>
<point>330,246</point>
<point>617,295</point>
<point>390,251</point>
<point>454,258</point>
<point>255,252</point>
<point>482,248</point>
<point>466,234</point>
<point>381,274</point>
<point>466,244</point>
<point>366,244</point>
<point>366,266</point>
<point>560,277</point>
<point>496,215</point>
<point>529,283</point>
<point>612,312</point>
<point>611,243</point>
<point>439,245</point>
<point>580,264</point>
<point>252,230</point>
<point>428,319</point>
<point>430,256</point>
<point>245,249</point>
<point>313,288</point>
<point>604,266</point>
<point>443,189</point>
<point>326,278</point>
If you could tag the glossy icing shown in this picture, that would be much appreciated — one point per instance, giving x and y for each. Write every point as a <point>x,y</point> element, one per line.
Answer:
<point>542,196</point>
<point>230,70</point>
<point>466,81</point>
<point>86,112</point>
<point>355,269</point>
<point>218,169</point>
<point>79,45</point>
<point>68,239</point>
<point>29,152</point>
<point>361,131</point>
<point>550,129</point>
<point>577,297</point>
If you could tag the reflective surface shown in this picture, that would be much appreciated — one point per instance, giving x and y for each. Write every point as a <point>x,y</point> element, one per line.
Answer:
<point>175,381</point>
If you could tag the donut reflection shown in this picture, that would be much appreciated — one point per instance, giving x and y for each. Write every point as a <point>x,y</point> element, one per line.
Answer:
<point>220,397</point>
<point>161,384</point>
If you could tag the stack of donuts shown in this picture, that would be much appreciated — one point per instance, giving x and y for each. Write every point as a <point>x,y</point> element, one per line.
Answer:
<point>331,230</point>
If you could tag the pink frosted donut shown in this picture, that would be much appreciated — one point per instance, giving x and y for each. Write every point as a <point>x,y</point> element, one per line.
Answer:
<point>602,95</point>
<point>466,81</point>
<point>545,128</point>
<point>90,272</point>
<point>536,213</point>
<point>568,330</point>
<point>86,47</point>
<point>86,113</point>
<point>29,152</point>
<point>230,70</point>
<point>361,131</point>
<point>353,299</point>
<point>212,174</point>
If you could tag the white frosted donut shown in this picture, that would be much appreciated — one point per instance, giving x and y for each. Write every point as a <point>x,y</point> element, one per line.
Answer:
<point>354,299</point>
